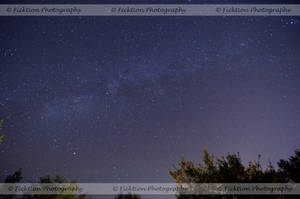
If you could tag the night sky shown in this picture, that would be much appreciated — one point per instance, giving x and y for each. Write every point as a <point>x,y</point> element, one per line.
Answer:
<point>117,99</point>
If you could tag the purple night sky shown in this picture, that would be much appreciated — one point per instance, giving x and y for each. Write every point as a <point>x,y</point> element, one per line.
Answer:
<point>117,99</point>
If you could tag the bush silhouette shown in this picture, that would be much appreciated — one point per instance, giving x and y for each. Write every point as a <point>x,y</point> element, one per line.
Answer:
<point>230,169</point>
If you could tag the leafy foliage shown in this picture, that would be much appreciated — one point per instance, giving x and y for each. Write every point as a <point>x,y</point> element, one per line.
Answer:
<point>230,169</point>
<point>226,169</point>
<point>17,177</point>
<point>290,169</point>
<point>14,178</point>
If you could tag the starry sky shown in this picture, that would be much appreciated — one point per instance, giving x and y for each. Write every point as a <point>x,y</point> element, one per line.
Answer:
<point>118,99</point>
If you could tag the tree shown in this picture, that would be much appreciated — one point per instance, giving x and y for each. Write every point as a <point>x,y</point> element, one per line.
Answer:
<point>14,178</point>
<point>17,177</point>
<point>290,169</point>
<point>230,169</point>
